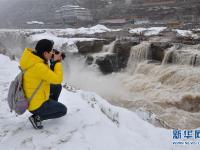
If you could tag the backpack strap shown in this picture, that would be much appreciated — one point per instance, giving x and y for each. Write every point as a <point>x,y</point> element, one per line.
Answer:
<point>38,87</point>
<point>23,71</point>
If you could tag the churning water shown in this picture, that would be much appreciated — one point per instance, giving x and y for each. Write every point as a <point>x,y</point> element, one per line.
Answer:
<point>164,94</point>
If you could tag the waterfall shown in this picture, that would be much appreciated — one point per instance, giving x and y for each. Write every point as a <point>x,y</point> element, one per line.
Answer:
<point>109,48</point>
<point>183,56</point>
<point>138,53</point>
<point>106,50</point>
<point>167,57</point>
<point>13,41</point>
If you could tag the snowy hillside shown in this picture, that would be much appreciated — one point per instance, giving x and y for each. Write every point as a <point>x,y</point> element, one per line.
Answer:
<point>91,124</point>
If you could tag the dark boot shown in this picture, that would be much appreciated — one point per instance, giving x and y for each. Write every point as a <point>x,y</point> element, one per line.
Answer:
<point>36,121</point>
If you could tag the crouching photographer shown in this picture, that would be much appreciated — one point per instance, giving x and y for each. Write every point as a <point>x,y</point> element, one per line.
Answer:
<point>37,79</point>
<point>55,89</point>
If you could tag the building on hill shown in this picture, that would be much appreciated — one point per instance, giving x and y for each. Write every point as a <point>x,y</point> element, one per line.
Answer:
<point>74,14</point>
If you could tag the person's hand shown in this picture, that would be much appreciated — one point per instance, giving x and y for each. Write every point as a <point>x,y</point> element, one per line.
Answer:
<point>57,57</point>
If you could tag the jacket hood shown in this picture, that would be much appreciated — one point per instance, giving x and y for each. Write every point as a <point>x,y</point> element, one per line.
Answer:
<point>29,59</point>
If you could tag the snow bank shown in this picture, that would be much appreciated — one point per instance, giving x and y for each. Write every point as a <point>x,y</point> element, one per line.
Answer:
<point>186,33</point>
<point>35,22</point>
<point>147,31</point>
<point>92,30</point>
<point>59,41</point>
<point>156,30</point>
<point>137,30</point>
<point>91,124</point>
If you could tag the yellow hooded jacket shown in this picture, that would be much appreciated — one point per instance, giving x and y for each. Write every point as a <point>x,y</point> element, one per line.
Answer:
<point>38,71</point>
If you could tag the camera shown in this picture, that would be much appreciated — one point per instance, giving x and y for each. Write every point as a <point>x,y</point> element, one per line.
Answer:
<point>58,52</point>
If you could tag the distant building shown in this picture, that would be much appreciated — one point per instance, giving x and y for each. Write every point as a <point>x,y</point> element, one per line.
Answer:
<point>74,14</point>
<point>128,2</point>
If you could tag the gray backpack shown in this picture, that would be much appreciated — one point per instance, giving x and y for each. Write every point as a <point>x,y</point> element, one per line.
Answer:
<point>16,97</point>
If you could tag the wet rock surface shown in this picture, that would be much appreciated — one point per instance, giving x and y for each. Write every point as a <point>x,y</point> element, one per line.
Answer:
<point>95,46</point>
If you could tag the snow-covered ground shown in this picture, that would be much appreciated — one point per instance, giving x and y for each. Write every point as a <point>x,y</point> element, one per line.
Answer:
<point>147,31</point>
<point>186,33</point>
<point>156,30</point>
<point>92,30</point>
<point>35,22</point>
<point>91,124</point>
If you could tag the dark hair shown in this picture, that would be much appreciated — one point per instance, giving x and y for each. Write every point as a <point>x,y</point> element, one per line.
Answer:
<point>42,46</point>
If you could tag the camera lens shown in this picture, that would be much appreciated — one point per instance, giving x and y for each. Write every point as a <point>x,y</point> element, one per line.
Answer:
<point>56,51</point>
<point>63,56</point>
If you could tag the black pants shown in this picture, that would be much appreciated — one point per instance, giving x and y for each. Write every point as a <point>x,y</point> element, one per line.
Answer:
<point>55,90</point>
<point>51,108</point>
